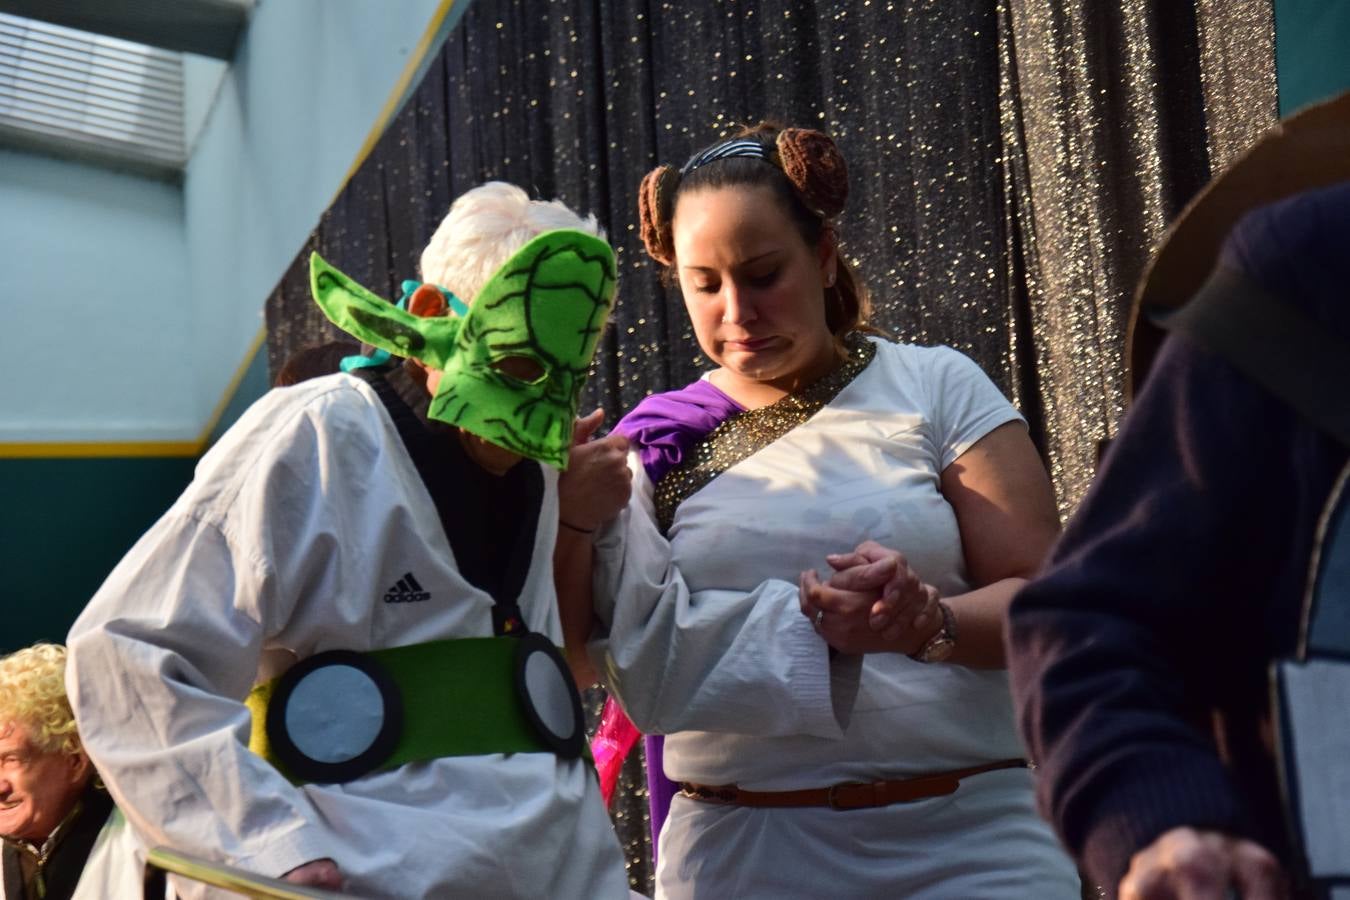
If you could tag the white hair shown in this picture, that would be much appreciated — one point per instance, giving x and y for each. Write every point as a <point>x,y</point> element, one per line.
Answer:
<point>484,228</point>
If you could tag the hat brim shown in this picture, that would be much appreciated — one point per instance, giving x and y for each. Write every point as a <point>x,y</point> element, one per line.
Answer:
<point>1310,149</point>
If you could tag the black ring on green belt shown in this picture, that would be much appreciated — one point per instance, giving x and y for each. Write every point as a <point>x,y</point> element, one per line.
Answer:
<point>305,767</point>
<point>567,746</point>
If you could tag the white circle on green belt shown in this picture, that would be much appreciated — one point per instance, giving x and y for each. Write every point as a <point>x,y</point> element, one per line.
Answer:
<point>334,717</point>
<point>335,713</point>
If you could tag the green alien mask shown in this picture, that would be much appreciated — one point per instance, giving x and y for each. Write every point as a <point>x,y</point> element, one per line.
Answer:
<point>515,364</point>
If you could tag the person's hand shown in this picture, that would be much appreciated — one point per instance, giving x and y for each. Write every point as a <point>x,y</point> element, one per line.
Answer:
<point>906,604</point>
<point>594,489</point>
<point>839,616</point>
<point>1188,864</point>
<point>322,873</point>
<point>872,603</point>
<point>598,482</point>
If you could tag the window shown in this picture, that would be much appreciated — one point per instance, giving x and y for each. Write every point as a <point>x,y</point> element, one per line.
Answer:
<point>91,96</point>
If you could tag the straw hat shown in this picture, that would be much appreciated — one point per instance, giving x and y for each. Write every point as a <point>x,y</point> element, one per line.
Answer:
<point>1310,149</point>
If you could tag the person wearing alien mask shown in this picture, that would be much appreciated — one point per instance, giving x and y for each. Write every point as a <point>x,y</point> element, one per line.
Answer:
<point>333,660</point>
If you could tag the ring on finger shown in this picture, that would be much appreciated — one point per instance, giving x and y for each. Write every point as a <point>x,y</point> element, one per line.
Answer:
<point>820,617</point>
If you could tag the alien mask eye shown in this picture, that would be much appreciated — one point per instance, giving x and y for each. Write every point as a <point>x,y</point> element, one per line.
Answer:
<point>521,368</point>
<point>514,365</point>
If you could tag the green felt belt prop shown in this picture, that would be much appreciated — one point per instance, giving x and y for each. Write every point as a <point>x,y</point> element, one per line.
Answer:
<point>459,699</point>
<point>514,365</point>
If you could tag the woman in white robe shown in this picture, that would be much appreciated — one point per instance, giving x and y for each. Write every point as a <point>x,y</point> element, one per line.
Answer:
<point>711,625</point>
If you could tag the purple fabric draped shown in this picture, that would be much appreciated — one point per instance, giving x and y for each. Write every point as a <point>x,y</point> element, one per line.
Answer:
<point>663,428</point>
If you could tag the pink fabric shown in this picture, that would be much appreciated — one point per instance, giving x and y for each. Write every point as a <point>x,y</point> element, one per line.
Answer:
<point>613,741</point>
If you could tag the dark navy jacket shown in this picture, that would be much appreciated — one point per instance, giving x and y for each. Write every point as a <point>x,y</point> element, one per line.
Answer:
<point>1139,658</point>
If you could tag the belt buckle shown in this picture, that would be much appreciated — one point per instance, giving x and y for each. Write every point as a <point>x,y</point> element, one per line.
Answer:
<point>723,794</point>
<point>833,801</point>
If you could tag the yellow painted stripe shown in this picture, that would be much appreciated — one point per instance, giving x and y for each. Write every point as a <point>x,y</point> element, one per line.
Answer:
<point>233,386</point>
<point>36,450</point>
<point>93,449</point>
<point>424,46</point>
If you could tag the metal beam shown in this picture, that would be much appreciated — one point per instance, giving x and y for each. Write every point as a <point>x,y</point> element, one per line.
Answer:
<point>205,27</point>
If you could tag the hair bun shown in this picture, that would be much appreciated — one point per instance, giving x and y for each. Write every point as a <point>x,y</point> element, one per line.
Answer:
<point>654,213</point>
<point>816,169</point>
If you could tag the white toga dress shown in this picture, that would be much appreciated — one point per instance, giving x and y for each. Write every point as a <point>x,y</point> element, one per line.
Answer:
<point>706,644</point>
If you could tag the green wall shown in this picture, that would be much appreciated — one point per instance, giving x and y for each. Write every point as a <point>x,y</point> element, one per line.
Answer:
<point>1312,50</point>
<point>66,523</point>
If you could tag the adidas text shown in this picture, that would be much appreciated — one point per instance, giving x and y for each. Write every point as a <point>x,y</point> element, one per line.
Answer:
<point>407,590</point>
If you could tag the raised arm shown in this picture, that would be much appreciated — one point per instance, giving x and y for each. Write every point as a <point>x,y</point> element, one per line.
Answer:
<point>593,490</point>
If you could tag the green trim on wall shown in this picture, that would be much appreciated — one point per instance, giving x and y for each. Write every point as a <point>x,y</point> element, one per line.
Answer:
<point>1312,51</point>
<point>251,383</point>
<point>66,524</point>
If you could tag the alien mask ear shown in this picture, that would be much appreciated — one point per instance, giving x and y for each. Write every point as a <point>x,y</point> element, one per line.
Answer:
<point>522,357</point>
<point>372,320</point>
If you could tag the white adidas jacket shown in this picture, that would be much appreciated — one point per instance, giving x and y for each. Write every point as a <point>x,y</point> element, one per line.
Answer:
<point>297,524</point>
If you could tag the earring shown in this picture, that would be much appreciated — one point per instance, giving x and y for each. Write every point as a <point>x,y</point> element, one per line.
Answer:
<point>724,320</point>
<point>829,280</point>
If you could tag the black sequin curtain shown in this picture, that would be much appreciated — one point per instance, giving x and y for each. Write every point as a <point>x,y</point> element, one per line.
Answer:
<point>1114,115</point>
<point>1012,165</point>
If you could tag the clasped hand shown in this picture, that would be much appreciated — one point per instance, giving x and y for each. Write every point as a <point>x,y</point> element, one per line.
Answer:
<point>873,602</point>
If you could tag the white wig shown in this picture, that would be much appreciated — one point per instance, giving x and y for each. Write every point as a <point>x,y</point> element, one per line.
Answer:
<point>484,228</point>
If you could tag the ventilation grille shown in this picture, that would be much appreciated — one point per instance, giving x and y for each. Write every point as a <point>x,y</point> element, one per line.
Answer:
<point>82,92</point>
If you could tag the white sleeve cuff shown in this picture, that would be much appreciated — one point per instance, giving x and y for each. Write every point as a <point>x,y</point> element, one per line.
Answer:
<point>824,689</point>
<point>287,850</point>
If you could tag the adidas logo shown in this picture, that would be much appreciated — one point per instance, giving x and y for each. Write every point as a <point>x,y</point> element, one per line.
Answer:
<point>406,591</point>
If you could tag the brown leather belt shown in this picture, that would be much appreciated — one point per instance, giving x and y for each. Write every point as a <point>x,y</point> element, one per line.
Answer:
<point>848,795</point>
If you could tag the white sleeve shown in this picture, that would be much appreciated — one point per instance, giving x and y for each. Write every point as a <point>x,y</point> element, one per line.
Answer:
<point>115,866</point>
<point>964,405</point>
<point>159,664</point>
<point>713,660</point>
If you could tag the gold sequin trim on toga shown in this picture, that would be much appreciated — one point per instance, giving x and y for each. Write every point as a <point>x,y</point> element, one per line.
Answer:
<point>746,433</point>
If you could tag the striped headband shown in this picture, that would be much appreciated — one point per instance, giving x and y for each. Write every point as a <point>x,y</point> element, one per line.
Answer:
<point>725,150</point>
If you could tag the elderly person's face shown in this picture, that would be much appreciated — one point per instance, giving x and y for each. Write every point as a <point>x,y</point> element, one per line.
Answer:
<point>37,787</point>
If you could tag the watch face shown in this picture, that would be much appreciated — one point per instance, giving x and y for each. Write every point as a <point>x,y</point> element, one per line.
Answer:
<point>940,645</point>
<point>938,649</point>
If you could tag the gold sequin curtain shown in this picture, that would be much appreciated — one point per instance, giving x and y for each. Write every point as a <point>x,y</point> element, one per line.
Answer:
<point>1013,162</point>
<point>1114,115</point>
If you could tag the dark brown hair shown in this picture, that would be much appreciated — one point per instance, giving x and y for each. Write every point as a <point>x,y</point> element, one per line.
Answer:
<point>314,362</point>
<point>806,174</point>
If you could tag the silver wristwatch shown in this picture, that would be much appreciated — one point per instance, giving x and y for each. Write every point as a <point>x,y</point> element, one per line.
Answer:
<point>940,646</point>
